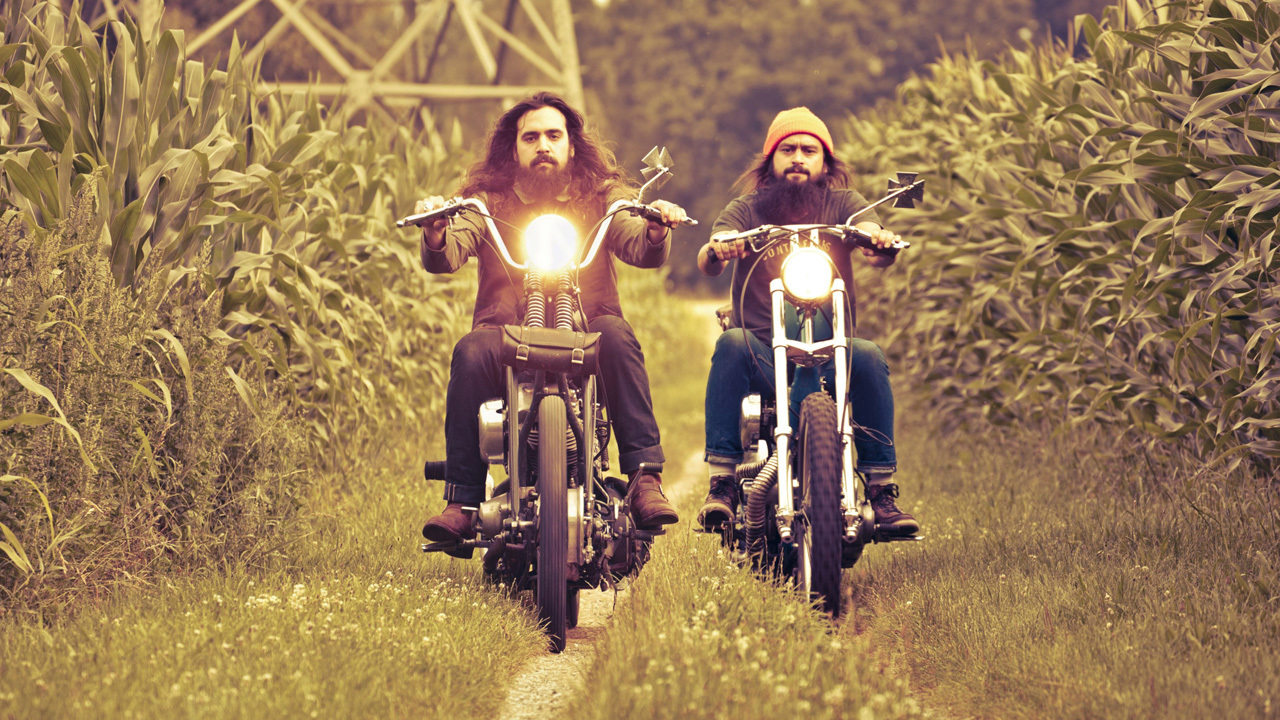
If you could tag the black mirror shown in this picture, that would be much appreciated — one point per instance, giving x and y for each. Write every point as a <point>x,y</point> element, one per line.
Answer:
<point>914,190</point>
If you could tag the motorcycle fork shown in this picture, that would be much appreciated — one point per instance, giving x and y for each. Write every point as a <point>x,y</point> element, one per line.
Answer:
<point>849,503</point>
<point>782,427</point>
<point>849,489</point>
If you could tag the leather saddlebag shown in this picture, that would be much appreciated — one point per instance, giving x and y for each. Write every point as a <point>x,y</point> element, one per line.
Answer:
<point>559,351</point>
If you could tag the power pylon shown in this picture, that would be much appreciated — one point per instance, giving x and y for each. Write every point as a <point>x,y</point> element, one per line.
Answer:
<point>548,47</point>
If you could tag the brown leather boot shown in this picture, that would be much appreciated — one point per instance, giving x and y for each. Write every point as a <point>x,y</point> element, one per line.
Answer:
<point>649,506</point>
<point>452,524</point>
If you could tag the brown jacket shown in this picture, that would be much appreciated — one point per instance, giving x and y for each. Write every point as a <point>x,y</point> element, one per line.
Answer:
<point>501,288</point>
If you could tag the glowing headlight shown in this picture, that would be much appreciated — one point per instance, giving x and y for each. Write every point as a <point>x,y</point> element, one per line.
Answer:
<point>807,275</point>
<point>550,241</point>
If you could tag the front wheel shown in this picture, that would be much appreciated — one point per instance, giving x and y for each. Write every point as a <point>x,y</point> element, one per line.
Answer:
<point>553,519</point>
<point>818,443</point>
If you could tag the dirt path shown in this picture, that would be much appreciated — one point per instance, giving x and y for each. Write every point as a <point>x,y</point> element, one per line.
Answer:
<point>543,689</point>
<point>545,686</point>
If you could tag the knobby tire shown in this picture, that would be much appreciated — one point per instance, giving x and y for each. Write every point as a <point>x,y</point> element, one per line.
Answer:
<point>819,447</point>
<point>553,519</point>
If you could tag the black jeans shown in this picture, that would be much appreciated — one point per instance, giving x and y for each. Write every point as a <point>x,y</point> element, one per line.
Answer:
<point>476,375</point>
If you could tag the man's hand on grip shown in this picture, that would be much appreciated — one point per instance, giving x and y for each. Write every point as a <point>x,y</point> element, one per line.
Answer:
<point>672,215</point>
<point>433,231</point>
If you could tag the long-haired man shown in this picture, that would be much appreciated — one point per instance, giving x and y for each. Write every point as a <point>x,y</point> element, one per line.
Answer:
<point>540,159</point>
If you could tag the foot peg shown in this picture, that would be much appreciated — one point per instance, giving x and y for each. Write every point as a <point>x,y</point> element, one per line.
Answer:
<point>883,538</point>
<point>461,549</point>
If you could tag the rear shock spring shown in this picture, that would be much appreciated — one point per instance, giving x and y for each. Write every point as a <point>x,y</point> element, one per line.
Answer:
<point>570,445</point>
<point>535,314</point>
<point>564,302</point>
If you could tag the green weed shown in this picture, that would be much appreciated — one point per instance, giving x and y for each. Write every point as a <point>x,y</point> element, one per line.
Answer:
<point>1097,238</point>
<point>1066,576</point>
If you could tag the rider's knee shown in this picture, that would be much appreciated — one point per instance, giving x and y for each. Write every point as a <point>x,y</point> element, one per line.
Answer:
<point>476,348</point>
<point>615,333</point>
<point>864,353</point>
<point>610,325</point>
<point>731,345</point>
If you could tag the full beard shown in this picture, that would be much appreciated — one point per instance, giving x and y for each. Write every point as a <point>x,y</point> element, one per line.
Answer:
<point>542,182</point>
<point>783,202</point>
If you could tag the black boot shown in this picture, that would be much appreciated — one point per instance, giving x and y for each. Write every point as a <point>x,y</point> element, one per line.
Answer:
<point>890,519</point>
<point>721,504</point>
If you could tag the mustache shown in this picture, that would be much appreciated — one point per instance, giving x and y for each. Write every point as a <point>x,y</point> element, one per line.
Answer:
<point>798,169</point>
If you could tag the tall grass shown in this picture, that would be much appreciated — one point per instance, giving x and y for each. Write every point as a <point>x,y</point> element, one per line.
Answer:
<point>203,291</point>
<point>1065,576</point>
<point>1098,239</point>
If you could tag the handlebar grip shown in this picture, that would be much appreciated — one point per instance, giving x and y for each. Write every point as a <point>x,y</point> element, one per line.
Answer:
<point>433,469</point>
<point>711,253</point>
<point>649,213</point>
<point>448,210</point>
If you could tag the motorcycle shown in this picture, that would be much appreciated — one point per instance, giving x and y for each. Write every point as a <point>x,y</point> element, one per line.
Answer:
<point>821,525</point>
<point>557,524</point>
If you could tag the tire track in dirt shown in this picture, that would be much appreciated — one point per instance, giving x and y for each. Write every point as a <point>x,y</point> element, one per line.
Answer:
<point>545,686</point>
<point>547,683</point>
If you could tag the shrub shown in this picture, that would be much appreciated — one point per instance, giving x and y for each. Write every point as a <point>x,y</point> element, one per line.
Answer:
<point>203,288</point>
<point>127,443</point>
<point>1098,238</point>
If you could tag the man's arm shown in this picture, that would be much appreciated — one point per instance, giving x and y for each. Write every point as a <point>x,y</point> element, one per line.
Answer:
<point>644,243</point>
<point>444,249</point>
<point>734,219</point>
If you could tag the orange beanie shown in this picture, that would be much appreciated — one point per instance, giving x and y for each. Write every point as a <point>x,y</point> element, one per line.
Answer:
<point>796,120</point>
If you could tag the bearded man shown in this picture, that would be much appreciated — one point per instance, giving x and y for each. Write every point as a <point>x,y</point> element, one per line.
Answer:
<point>796,180</point>
<point>540,159</point>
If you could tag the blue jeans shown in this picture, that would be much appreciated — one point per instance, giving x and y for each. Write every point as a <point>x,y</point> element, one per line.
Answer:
<point>743,364</point>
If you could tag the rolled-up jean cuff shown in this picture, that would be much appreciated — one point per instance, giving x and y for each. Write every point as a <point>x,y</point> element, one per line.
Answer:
<point>868,469</point>
<point>465,494</point>
<point>629,462</point>
<point>721,459</point>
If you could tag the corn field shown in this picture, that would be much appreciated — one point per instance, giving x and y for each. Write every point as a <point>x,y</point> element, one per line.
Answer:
<point>202,294</point>
<point>1098,240</point>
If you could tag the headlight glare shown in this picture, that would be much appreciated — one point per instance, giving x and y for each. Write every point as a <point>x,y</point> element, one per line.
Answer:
<point>807,275</point>
<point>550,242</point>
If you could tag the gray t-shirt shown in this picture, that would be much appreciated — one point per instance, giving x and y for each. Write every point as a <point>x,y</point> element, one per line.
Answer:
<point>754,314</point>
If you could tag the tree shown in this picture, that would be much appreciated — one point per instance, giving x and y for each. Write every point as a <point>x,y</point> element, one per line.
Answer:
<point>706,77</point>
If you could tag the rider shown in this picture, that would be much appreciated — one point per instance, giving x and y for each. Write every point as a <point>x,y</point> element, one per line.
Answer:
<point>797,180</point>
<point>540,159</point>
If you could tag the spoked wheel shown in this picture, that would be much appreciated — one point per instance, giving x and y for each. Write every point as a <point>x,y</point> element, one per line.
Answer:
<point>818,443</point>
<point>553,519</point>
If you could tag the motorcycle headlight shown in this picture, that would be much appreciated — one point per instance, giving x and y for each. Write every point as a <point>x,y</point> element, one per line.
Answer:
<point>807,275</point>
<point>550,242</point>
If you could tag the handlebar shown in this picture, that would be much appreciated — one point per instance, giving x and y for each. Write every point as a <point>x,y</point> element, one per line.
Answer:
<point>456,205</point>
<point>449,209</point>
<point>853,235</point>
<point>649,213</point>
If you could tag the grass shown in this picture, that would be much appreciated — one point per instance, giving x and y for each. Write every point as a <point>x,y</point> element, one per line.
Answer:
<point>345,618</point>
<point>353,622</point>
<point>704,638</point>
<point>1069,576</point>
<point>1063,576</point>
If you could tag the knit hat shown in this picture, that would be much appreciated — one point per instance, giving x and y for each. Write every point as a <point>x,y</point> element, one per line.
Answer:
<point>796,120</point>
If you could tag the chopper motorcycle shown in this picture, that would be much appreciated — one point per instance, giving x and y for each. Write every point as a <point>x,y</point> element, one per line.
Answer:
<point>557,524</point>
<point>823,521</point>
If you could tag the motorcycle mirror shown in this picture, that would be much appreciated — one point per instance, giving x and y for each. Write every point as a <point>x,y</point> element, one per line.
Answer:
<point>657,171</point>
<point>914,190</point>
